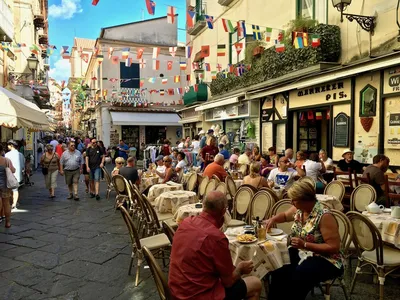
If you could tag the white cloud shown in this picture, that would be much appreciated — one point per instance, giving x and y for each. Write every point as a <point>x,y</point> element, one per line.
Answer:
<point>61,70</point>
<point>66,9</point>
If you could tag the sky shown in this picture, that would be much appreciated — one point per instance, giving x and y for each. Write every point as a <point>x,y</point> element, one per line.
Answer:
<point>79,18</point>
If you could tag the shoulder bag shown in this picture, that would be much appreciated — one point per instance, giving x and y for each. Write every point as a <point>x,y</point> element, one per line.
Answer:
<point>45,170</point>
<point>12,182</point>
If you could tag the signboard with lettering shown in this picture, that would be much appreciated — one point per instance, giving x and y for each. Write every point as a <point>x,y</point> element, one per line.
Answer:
<point>391,81</point>
<point>393,135</point>
<point>321,94</point>
<point>341,126</point>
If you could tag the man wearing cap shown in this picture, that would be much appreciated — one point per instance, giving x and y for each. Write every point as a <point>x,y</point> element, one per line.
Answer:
<point>160,170</point>
<point>349,163</point>
<point>223,151</point>
<point>18,161</point>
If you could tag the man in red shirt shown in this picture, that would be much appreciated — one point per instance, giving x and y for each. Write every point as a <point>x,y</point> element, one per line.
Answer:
<point>208,152</point>
<point>201,264</point>
<point>216,168</point>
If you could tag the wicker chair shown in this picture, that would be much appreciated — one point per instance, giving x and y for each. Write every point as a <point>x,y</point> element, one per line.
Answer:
<point>191,182</point>
<point>279,207</point>
<point>110,186</point>
<point>210,186</point>
<point>227,164</point>
<point>308,179</point>
<point>390,195</point>
<point>261,205</point>
<point>241,206</point>
<point>158,275</point>
<point>216,178</point>
<point>335,188</point>
<point>202,186</point>
<point>230,186</point>
<point>362,195</point>
<point>271,192</point>
<point>371,251</point>
<point>121,186</point>
<point>221,187</point>
<point>155,243</point>
<point>168,230</point>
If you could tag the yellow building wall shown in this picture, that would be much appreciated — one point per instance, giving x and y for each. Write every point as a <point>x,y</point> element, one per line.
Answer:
<point>345,108</point>
<point>392,106</point>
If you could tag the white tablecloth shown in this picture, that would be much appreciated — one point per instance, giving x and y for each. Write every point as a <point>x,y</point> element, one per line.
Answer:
<point>171,201</point>
<point>390,227</point>
<point>145,182</point>
<point>158,189</point>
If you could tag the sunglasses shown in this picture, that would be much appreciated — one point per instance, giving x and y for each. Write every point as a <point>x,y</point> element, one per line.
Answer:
<point>119,163</point>
<point>166,161</point>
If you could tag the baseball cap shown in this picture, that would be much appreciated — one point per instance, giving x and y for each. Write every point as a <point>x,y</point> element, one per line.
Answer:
<point>210,131</point>
<point>160,157</point>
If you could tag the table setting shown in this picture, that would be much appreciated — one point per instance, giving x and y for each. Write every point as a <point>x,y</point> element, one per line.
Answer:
<point>148,179</point>
<point>157,189</point>
<point>170,201</point>
<point>195,209</point>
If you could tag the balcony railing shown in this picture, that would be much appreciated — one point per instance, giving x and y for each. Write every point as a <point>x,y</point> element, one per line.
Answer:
<point>200,22</point>
<point>225,2</point>
<point>6,21</point>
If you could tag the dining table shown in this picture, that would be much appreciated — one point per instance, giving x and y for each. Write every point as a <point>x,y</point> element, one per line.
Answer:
<point>157,189</point>
<point>148,180</point>
<point>170,201</point>
<point>267,255</point>
<point>388,226</point>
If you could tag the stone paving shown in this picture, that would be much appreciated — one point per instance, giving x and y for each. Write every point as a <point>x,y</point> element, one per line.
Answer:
<point>63,249</point>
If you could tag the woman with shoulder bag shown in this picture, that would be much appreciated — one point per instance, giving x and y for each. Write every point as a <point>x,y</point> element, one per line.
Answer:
<point>50,163</point>
<point>6,194</point>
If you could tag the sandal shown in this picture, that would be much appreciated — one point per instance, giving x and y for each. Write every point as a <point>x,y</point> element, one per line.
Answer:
<point>70,197</point>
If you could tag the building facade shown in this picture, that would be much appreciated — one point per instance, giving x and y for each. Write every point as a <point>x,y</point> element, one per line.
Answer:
<point>337,89</point>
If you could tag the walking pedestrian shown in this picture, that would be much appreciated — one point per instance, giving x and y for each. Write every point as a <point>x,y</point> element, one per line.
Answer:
<point>71,167</point>
<point>40,149</point>
<point>50,163</point>
<point>18,161</point>
<point>94,162</point>
<point>85,172</point>
<point>5,193</point>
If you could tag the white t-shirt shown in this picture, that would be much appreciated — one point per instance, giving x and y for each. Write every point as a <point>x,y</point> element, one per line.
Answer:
<point>196,146</point>
<point>285,179</point>
<point>160,169</point>
<point>180,145</point>
<point>244,159</point>
<point>328,163</point>
<point>18,162</point>
<point>312,169</point>
<point>181,164</point>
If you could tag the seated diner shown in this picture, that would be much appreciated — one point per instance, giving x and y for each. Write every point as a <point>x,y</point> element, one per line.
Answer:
<point>254,178</point>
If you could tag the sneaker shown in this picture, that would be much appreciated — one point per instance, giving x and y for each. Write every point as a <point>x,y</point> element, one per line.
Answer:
<point>76,198</point>
<point>70,197</point>
<point>97,197</point>
<point>1,219</point>
<point>92,195</point>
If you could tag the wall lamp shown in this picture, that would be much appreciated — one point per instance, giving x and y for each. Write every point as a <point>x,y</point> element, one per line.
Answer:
<point>366,22</point>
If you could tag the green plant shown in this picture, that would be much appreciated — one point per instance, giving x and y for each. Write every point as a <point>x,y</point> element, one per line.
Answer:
<point>299,25</point>
<point>249,51</point>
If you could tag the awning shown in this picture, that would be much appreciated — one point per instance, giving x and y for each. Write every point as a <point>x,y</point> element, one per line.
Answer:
<point>218,103</point>
<point>192,97</point>
<point>16,112</point>
<point>191,120</point>
<point>145,118</point>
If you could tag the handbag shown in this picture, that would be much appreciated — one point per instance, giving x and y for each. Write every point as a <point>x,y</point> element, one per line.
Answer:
<point>12,182</point>
<point>45,170</point>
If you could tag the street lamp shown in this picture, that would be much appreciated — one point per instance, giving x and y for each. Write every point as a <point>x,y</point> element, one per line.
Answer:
<point>366,22</point>
<point>32,64</point>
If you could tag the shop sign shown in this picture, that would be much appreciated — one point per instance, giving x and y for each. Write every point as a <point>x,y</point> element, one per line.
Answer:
<point>391,81</point>
<point>393,134</point>
<point>29,140</point>
<point>266,115</point>
<point>321,94</point>
<point>394,120</point>
<point>341,126</point>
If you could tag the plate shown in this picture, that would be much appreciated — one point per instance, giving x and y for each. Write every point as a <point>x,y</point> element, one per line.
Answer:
<point>387,210</point>
<point>275,231</point>
<point>249,238</point>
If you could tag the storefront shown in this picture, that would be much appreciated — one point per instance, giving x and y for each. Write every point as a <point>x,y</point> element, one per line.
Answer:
<point>192,121</point>
<point>238,118</point>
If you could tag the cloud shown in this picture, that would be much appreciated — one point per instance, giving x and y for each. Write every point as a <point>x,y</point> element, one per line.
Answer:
<point>61,70</point>
<point>66,9</point>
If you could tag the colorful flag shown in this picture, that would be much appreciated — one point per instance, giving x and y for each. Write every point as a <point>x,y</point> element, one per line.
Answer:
<point>177,78</point>
<point>172,51</point>
<point>179,91</point>
<point>128,62</point>
<point>110,52</point>
<point>64,49</point>
<point>209,20</point>
<point>195,65</point>
<point>151,7</point>
<point>205,51</point>
<point>49,51</point>
<point>139,53</point>
<point>318,115</point>
<point>196,88</point>
<point>152,80</point>
<point>164,80</point>
<point>219,67</point>
<point>231,68</point>
<point>213,75</point>
<point>189,51</point>
<point>125,53</point>
<point>241,29</point>
<point>221,50</point>
<point>142,63</point>
<point>171,93</point>
<point>141,83</point>
<point>207,67</point>
<point>169,65</point>
<point>182,65</point>
<point>300,40</point>
<point>162,92</point>
<point>239,47</point>
<point>188,77</point>
<point>94,2</point>
<point>114,59</point>
<point>156,52</point>
<point>310,115</point>
<point>240,69</point>
<point>315,40</point>
<point>279,47</point>
<point>228,27</point>
<point>305,39</point>
<point>268,34</point>
<point>100,59</point>
<point>280,35</point>
<point>190,18</point>
<point>171,14</point>
<point>156,65</point>
<point>256,32</point>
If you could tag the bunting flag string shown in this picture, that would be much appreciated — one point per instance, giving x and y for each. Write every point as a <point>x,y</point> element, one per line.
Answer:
<point>171,12</point>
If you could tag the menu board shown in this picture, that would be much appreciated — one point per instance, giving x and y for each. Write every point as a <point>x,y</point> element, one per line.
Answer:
<point>341,125</point>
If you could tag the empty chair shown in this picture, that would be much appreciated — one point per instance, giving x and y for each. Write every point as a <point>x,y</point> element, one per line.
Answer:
<point>230,186</point>
<point>241,203</point>
<point>110,186</point>
<point>279,207</point>
<point>210,186</point>
<point>221,187</point>
<point>216,178</point>
<point>191,182</point>
<point>203,185</point>
<point>261,205</point>
<point>362,196</point>
<point>168,230</point>
<point>335,188</point>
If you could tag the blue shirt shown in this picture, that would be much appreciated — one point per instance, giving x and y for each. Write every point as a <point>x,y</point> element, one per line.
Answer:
<point>81,147</point>
<point>225,153</point>
<point>203,142</point>
<point>123,153</point>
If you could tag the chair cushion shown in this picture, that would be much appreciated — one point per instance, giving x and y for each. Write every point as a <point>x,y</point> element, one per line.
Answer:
<point>171,223</point>
<point>391,257</point>
<point>234,223</point>
<point>164,216</point>
<point>155,241</point>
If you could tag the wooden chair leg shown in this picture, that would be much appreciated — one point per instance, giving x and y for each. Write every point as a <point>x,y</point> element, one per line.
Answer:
<point>381,279</point>
<point>343,286</point>
<point>130,265</point>
<point>356,272</point>
<point>139,264</point>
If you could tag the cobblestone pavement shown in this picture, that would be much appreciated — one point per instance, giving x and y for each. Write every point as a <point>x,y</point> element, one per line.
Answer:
<point>63,249</point>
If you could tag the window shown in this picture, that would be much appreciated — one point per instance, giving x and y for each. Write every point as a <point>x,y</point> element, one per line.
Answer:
<point>313,9</point>
<point>234,58</point>
<point>131,73</point>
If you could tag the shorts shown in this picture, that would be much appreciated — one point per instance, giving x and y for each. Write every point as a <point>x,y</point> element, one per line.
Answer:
<point>6,193</point>
<point>72,176</point>
<point>237,291</point>
<point>95,174</point>
<point>50,180</point>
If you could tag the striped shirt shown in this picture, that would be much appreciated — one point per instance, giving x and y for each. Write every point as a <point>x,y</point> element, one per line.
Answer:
<point>71,161</point>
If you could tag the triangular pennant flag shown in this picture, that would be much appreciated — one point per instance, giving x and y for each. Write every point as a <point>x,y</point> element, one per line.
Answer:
<point>205,51</point>
<point>156,52</point>
<point>209,20</point>
<point>171,14</point>
<point>182,65</point>
<point>156,65</point>
<point>268,34</point>
<point>139,53</point>
<point>169,65</point>
<point>228,27</point>
<point>221,50</point>
<point>151,7</point>
<point>172,51</point>
<point>239,47</point>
